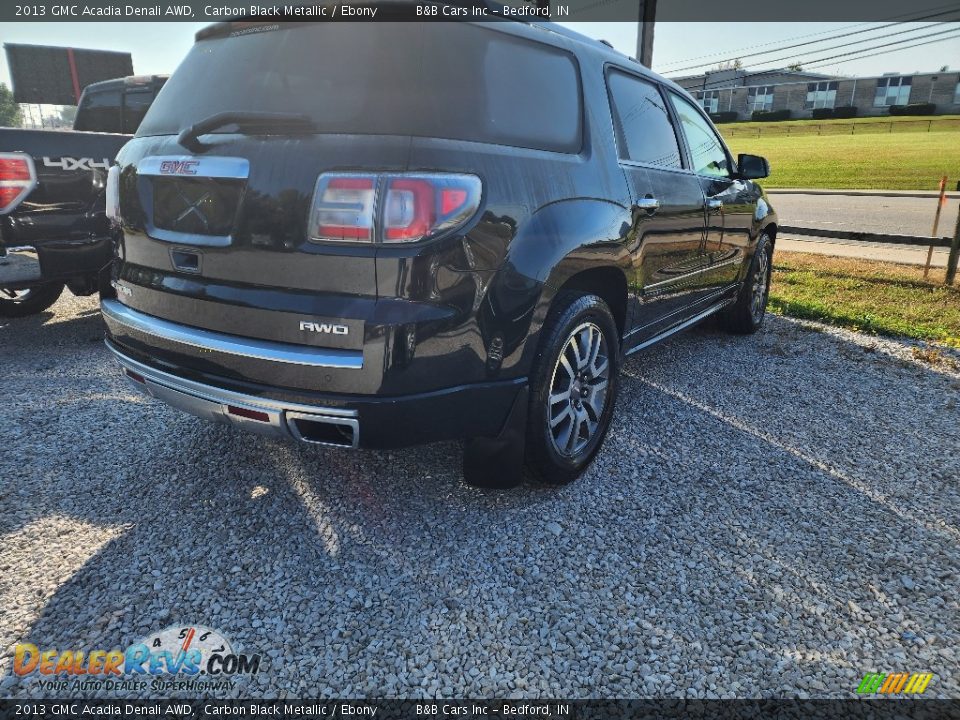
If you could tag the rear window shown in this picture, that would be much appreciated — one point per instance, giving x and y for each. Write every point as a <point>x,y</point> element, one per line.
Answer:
<point>447,80</point>
<point>99,112</point>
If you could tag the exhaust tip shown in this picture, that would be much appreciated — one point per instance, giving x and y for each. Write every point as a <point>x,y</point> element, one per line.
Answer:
<point>323,430</point>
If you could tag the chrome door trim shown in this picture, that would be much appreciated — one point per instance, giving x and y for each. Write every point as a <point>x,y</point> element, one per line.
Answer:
<point>682,326</point>
<point>692,273</point>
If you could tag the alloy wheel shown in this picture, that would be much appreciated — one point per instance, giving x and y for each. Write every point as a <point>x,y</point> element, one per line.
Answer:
<point>16,296</point>
<point>761,284</point>
<point>578,390</point>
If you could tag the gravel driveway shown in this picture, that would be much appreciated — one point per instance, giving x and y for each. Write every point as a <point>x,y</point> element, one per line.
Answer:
<point>771,516</point>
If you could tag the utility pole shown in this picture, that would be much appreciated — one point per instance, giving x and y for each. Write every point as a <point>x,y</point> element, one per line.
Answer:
<point>645,20</point>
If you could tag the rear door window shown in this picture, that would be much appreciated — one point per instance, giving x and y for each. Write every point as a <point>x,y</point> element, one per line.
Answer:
<point>444,80</point>
<point>707,153</point>
<point>645,133</point>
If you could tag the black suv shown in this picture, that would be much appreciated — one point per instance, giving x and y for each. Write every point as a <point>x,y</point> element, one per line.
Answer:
<point>386,234</point>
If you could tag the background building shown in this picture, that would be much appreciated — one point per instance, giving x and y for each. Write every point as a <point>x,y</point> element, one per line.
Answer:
<point>743,91</point>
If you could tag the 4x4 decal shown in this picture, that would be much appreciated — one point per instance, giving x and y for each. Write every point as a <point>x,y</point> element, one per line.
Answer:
<point>69,163</point>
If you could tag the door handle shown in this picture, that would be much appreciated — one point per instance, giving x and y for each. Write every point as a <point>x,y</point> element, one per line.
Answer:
<point>714,204</point>
<point>648,203</point>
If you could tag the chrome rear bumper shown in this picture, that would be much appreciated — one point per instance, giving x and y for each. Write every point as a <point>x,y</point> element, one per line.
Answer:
<point>153,327</point>
<point>318,425</point>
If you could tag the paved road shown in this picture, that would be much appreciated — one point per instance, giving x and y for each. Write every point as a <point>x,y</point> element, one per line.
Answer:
<point>897,215</point>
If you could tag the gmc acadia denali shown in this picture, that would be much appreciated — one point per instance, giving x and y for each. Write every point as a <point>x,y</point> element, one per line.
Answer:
<point>376,235</point>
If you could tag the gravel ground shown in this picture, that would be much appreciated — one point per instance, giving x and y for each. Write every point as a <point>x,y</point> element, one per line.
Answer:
<point>771,516</point>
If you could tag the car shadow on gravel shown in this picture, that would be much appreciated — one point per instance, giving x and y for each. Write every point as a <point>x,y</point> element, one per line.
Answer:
<point>50,329</point>
<point>767,517</point>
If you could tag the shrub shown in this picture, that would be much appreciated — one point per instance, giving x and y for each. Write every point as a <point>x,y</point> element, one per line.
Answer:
<point>845,111</point>
<point>770,115</point>
<point>822,113</point>
<point>724,117</point>
<point>913,109</point>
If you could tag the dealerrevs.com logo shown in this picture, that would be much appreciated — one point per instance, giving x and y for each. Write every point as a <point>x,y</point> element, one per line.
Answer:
<point>191,657</point>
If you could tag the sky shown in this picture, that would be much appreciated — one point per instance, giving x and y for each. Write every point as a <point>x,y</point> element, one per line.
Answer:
<point>158,47</point>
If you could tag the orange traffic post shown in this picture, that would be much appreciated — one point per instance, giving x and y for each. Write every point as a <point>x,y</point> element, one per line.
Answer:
<point>941,201</point>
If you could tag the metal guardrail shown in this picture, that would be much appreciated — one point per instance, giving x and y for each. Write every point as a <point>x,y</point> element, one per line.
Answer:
<point>919,240</point>
<point>787,128</point>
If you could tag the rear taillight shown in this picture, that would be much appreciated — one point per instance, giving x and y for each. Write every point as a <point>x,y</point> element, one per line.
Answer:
<point>408,207</point>
<point>113,195</point>
<point>17,178</point>
<point>343,207</point>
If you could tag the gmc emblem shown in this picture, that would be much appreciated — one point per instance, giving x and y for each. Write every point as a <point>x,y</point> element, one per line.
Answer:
<point>179,167</point>
<point>324,328</point>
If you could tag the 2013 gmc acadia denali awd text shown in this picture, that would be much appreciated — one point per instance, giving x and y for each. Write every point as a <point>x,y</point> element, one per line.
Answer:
<point>385,234</point>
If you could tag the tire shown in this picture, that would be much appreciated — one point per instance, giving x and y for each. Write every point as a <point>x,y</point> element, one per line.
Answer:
<point>746,315</point>
<point>20,303</point>
<point>569,413</point>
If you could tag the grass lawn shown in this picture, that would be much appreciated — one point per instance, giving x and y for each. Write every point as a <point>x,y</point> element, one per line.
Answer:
<point>897,161</point>
<point>867,296</point>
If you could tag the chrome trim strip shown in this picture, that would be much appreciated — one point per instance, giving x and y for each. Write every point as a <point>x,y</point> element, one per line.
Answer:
<point>201,167</point>
<point>682,326</point>
<point>19,264</point>
<point>231,344</point>
<point>692,273</point>
<point>220,395</point>
<point>172,236</point>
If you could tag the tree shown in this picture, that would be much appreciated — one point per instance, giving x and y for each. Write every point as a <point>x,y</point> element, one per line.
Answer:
<point>735,64</point>
<point>944,68</point>
<point>10,113</point>
<point>795,67</point>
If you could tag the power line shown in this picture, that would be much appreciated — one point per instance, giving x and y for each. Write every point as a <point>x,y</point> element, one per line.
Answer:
<point>835,37</point>
<point>890,52</point>
<point>752,47</point>
<point>818,62</point>
<point>906,17</point>
<point>784,58</point>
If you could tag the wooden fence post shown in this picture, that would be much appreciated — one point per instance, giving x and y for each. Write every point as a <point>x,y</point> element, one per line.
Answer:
<point>936,223</point>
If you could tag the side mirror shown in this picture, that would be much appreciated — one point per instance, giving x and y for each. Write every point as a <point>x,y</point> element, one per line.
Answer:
<point>752,167</point>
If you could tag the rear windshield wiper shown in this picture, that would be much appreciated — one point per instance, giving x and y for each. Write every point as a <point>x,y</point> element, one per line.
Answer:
<point>249,123</point>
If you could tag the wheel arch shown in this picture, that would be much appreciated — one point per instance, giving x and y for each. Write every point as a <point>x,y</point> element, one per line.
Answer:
<point>609,283</point>
<point>771,229</point>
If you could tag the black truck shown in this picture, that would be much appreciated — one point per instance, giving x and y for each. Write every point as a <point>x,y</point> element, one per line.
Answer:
<point>53,231</point>
<point>377,235</point>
